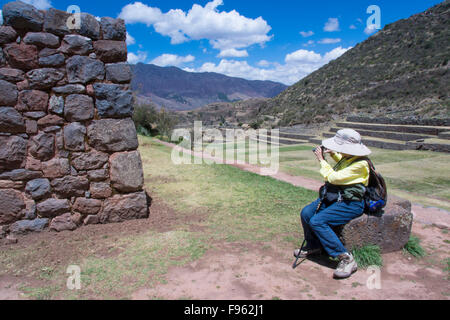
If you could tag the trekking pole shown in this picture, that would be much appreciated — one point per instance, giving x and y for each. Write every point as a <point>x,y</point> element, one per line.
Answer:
<point>295,265</point>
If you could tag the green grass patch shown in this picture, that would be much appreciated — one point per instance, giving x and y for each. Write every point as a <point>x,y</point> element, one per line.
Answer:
<point>367,256</point>
<point>414,248</point>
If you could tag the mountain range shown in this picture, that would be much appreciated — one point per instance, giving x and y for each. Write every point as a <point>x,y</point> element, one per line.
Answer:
<point>179,90</point>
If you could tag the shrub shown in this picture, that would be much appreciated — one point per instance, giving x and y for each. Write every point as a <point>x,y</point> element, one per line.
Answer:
<point>368,256</point>
<point>414,248</point>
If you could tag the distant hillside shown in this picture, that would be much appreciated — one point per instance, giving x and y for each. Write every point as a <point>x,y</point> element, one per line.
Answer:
<point>401,71</point>
<point>180,90</point>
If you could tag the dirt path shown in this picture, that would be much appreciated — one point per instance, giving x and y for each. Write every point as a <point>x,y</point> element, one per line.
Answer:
<point>249,272</point>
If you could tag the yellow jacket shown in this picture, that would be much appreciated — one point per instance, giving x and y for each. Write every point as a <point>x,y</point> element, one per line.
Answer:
<point>345,174</point>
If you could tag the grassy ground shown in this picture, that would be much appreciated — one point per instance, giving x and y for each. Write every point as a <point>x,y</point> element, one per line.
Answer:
<point>230,206</point>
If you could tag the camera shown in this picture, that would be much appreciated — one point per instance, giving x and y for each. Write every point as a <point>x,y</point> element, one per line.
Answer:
<point>321,147</point>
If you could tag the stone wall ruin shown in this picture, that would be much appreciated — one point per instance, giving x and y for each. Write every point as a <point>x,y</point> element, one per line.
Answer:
<point>68,145</point>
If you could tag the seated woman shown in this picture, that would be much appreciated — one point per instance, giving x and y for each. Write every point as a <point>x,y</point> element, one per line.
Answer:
<point>348,181</point>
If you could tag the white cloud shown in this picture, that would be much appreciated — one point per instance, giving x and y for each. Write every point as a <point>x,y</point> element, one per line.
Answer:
<point>39,4</point>
<point>352,26</point>
<point>134,58</point>
<point>297,65</point>
<point>130,39</point>
<point>224,30</point>
<point>331,25</point>
<point>306,34</point>
<point>233,53</point>
<point>330,40</point>
<point>1,17</point>
<point>370,29</point>
<point>167,59</point>
<point>309,43</point>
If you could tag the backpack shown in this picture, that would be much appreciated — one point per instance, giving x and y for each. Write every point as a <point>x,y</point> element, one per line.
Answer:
<point>376,192</point>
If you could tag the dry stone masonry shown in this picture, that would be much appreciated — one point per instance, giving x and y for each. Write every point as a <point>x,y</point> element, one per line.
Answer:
<point>67,142</point>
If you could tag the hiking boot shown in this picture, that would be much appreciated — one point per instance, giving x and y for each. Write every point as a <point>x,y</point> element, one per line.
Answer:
<point>346,267</point>
<point>301,254</point>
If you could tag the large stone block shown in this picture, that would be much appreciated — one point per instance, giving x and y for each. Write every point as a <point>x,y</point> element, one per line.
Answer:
<point>11,121</point>
<point>55,60</point>
<point>7,34</point>
<point>13,152</point>
<point>64,222</point>
<point>21,174</point>
<point>8,93</point>
<point>87,206</point>
<point>12,206</point>
<point>126,171</point>
<point>76,44</point>
<point>78,107</point>
<point>120,208</point>
<point>12,75</point>
<point>22,16</point>
<point>112,101</point>
<point>90,27</point>
<point>56,168</point>
<point>28,226</point>
<point>390,231</point>
<point>100,190</point>
<point>82,69</point>
<point>42,146</point>
<point>22,56</point>
<point>111,135</point>
<point>110,51</point>
<point>38,189</point>
<point>56,22</point>
<point>44,78</point>
<point>118,72</point>
<point>89,160</point>
<point>74,135</point>
<point>70,186</point>
<point>41,39</point>
<point>113,29</point>
<point>32,100</point>
<point>53,207</point>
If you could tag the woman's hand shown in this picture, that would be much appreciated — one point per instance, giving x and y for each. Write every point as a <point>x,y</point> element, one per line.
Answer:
<point>319,154</point>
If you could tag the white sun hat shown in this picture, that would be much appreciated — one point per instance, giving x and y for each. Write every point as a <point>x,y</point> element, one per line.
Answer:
<point>347,141</point>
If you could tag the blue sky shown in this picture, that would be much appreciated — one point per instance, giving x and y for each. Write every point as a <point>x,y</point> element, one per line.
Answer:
<point>281,40</point>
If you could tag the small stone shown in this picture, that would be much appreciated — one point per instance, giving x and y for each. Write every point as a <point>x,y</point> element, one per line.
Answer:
<point>33,164</point>
<point>70,186</point>
<point>2,58</point>
<point>74,136</point>
<point>22,56</point>
<point>76,44</point>
<point>21,175</point>
<point>78,108</point>
<point>82,69</point>
<point>38,189</point>
<point>42,146</point>
<point>7,184</point>
<point>70,89</point>
<point>13,152</point>
<point>91,219</point>
<point>56,60</point>
<point>11,121</point>
<point>56,105</point>
<point>89,160</point>
<point>100,190</point>
<point>118,72</point>
<point>98,175</point>
<point>50,120</point>
<point>44,78</point>
<point>42,39</point>
<point>12,75</point>
<point>27,226</point>
<point>7,34</point>
<point>87,206</point>
<point>11,239</point>
<point>32,100</point>
<point>113,29</point>
<point>30,213</point>
<point>36,115</point>
<point>20,15</point>
<point>23,85</point>
<point>53,207</point>
<point>56,168</point>
<point>63,223</point>
<point>47,52</point>
<point>31,126</point>
<point>12,206</point>
<point>77,218</point>
<point>56,22</point>
<point>110,51</point>
<point>90,27</point>
<point>8,93</point>
<point>112,101</point>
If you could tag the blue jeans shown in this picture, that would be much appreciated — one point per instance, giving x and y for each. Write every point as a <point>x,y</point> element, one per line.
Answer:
<point>317,226</point>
